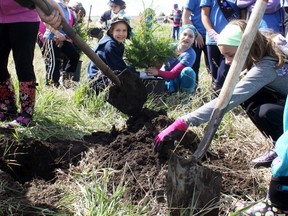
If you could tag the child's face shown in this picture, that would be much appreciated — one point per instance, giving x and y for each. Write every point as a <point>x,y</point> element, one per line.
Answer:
<point>120,32</point>
<point>187,37</point>
<point>115,9</point>
<point>228,52</point>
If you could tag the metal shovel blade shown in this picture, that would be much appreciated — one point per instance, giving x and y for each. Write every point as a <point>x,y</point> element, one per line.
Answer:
<point>130,96</point>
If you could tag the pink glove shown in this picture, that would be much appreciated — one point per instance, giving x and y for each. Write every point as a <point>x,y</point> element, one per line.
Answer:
<point>178,125</point>
<point>213,34</point>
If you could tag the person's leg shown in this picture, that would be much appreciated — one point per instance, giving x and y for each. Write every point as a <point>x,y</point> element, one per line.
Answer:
<point>173,32</point>
<point>187,80</point>
<point>73,56</point>
<point>53,62</point>
<point>197,62</point>
<point>7,100</point>
<point>214,59</point>
<point>5,48</point>
<point>171,86</point>
<point>222,72</point>
<point>23,54</point>
<point>206,58</point>
<point>269,120</point>
<point>177,32</point>
<point>7,95</point>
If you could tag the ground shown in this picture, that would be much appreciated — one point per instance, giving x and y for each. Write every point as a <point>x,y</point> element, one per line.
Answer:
<point>31,165</point>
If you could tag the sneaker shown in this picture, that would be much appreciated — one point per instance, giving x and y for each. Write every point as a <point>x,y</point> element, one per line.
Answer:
<point>264,160</point>
<point>258,208</point>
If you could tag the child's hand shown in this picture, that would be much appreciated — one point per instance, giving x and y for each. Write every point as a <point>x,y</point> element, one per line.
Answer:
<point>152,71</point>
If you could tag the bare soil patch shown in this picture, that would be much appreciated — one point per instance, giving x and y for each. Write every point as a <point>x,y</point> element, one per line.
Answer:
<point>29,166</point>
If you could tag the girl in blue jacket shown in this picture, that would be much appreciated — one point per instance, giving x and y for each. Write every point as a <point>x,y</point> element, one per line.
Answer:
<point>111,50</point>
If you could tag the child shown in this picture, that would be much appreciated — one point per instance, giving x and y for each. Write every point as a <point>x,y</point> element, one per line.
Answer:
<point>117,8</point>
<point>56,44</point>
<point>192,15</point>
<point>111,50</point>
<point>176,17</point>
<point>178,72</point>
<point>215,16</point>
<point>266,68</point>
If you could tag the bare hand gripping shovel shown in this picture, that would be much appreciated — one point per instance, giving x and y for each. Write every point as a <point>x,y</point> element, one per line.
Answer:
<point>187,180</point>
<point>129,94</point>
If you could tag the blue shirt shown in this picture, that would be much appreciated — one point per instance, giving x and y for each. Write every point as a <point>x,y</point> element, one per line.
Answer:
<point>272,18</point>
<point>217,18</point>
<point>194,6</point>
<point>279,165</point>
<point>186,58</point>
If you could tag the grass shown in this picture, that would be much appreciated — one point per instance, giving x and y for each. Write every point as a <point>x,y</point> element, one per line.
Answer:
<point>69,114</point>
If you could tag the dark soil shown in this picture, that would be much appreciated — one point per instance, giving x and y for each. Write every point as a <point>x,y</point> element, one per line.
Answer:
<point>30,165</point>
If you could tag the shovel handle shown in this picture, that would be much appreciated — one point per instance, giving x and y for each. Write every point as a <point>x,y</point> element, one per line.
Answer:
<point>232,77</point>
<point>47,9</point>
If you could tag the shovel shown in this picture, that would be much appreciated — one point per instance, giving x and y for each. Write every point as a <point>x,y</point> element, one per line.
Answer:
<point>129,92</point>
<point>187,180</point>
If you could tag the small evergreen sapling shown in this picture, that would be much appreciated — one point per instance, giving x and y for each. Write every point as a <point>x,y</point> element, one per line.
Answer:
<point>146,48</point>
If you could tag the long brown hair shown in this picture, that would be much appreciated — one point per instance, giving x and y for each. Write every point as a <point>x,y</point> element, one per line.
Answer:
<point>262,45</point>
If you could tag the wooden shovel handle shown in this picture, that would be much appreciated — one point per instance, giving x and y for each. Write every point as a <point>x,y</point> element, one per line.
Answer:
<point>47,9</point>
<point>232,77</point>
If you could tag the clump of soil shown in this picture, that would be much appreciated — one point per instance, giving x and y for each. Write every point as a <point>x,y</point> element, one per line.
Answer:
<point>31,164</point>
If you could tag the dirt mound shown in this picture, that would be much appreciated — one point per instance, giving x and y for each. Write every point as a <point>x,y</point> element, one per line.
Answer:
<point>32,163</point>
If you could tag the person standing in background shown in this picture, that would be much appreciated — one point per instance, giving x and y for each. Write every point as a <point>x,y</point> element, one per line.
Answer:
<point>19,23</point>
<point>56,44</point>
<point>192,15</point>
<point>273,18</point>
<point>117,8</point>
<point>215,16</point>
<point>176,17</point>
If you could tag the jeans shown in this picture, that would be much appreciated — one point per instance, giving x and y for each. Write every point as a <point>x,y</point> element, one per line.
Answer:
<point>185,82</point>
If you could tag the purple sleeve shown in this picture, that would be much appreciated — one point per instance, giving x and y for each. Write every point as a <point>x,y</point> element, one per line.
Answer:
<point>172,74</point>
<point>245,3</point>
<point>272,6</point>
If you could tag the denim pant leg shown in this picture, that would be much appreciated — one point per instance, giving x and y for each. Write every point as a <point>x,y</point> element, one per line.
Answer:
<point>170,86</point>
<point>187,80</point>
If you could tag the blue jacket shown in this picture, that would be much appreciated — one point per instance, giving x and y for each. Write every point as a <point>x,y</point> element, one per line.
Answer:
<point>111,52</point>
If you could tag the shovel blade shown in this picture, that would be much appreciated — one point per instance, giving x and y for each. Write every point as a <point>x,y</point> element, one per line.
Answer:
<point>130,97</point>
<point>192,188</point>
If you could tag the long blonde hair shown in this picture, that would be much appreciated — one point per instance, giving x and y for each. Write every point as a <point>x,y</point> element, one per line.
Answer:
<point>262,45</point>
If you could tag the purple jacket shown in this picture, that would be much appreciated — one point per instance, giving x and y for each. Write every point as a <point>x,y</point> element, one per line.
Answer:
<point>12,12</point>
<point>272,5</point>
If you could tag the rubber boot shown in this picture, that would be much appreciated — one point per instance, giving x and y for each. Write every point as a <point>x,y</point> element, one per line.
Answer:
<point>27,93</point>
<point>8,107</point>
